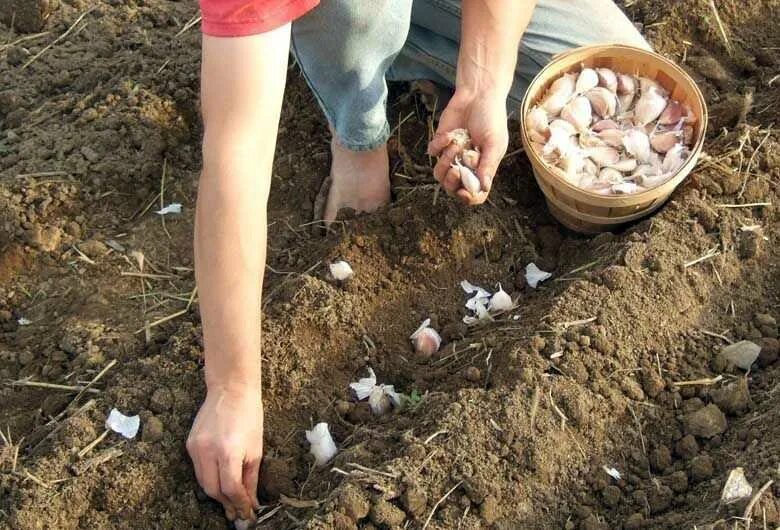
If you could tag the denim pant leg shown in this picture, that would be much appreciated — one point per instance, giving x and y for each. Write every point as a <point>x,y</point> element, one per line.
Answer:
<point>344,48</point>
<point>431,50</point>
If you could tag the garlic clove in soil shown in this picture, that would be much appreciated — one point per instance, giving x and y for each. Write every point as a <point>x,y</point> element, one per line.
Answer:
<point>341,270</point>
<point>578,112</point>
<point>559,94</point>
<point>382,399</point>
<point>603,101</point>
<point>637,144</point>
<point>426,340</point>
<point>127,426</point>
<point>649,106</point>
<point>467,177</point>
<point>500,301</point>
<point>534,275</point>
<point>323,448</point>
<point>587,79</point>
<point>607,79</point>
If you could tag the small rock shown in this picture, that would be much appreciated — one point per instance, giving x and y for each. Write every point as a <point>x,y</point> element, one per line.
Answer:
<point>415,501</point>
<point>384,513</point>
<point>705,422</point>
<point>343,407</point>
<point>26,357</point>
<point>742,354</point>
<point>161,400</point>
<point>733,398</point>
<point>770,351</point>
<point>152,430</point>
<point>489,509</point>
<point>764,319</point>
<point>702,468</point>
<point>473,374</point>
<point>736,488</point>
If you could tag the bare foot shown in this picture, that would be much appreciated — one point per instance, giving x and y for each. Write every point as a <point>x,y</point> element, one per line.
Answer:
<point>358,179</point>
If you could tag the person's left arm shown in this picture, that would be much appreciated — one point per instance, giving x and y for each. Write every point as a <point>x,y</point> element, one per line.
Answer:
<point>490,36</point>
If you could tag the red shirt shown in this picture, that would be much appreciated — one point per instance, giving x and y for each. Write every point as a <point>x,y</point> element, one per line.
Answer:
<point>236,18</point>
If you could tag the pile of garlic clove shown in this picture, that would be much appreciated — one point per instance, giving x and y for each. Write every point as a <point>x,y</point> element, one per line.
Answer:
<point>611,133</point>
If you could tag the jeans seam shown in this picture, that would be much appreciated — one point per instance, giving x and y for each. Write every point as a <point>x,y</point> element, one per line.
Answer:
<point>446,6</point>
<point>432,59</point>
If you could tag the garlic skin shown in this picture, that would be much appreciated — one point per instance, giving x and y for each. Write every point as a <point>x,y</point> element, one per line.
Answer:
<point>534,275</point>
<point>500,301</point>
<point>637,144</point>
<point>587,80</point>
<point>460,137</point>
<point>649,106</point>
<point>607,79</point>
<point>323,448</point>
<point>468,178</point>
<point>426,340</point>
<point>341,270</point>
<point>380,397</point>
<point>470,158</point>
<point>559,94</point>
<point>578,113</point>
<point>603,101</point>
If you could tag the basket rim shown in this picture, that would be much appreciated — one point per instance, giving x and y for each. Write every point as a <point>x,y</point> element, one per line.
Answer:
<point>673,181</point>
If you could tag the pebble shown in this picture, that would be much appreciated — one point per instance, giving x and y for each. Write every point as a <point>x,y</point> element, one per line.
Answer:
<point>473,374</point>
<point>733,398</point>
<point>742,354</point>
<point>343,407</point>
<point>489,509</point>
<point>90,154</point>
<point>26,357</point>
<point>764,319</point>
<point>635,520</point>
<point>705,422</point>
<point>93,248</point>
<point>152,430</point>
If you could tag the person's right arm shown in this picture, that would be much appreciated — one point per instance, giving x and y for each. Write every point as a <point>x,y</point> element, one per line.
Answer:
<point>242,83</point>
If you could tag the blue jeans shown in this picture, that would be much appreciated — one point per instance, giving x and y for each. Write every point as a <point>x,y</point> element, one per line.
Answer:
<point>348,49</point>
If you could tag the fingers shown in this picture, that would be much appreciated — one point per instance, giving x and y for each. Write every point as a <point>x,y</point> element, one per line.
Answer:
<point>232,486</point>
<point>446,159</point>
<point>489,159</point>
<point>251,477</point>
<point>207,473</point>
<point>439,142</point>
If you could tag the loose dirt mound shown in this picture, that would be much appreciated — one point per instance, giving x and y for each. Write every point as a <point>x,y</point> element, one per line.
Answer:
<point>613,362</point>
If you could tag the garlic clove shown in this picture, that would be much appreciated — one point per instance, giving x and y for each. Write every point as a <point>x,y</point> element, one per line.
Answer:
<point>625,101</point>
<point>341,270</point>
<point>626,188</point>
<point>663,141</point>
<point>578,113</point>
<point>537,120</point>
<point>379,401</point>
<point>674,159</point>
<point>610,175</point>
<point>470,157</point>
<point>637,144</point>
<point>467,177</point>
<point>587,79</point>
<point>426,340</point>
<point>572,162</point>
<point>323,448</point>
<point>612,137</point>
<point>603,156</point>
<point>603,102</point>
<point>626,84</point>
<point>534,275</point>
<point>603,125</point>
<point>590,168</point>
<point>559,94</point>
<point>587,139</point>
<point>460,137</point>
<point>672,114</point>
<point>364,386</point>
<point>649,106</point>
<point>646,84</point>
<point>500,301</point>
<point>607,79</point>
<point>626,165</point>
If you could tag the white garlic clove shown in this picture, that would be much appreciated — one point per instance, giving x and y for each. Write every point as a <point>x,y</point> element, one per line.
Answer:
<point>578,113</point>
<point>607,79</point>
<point>610,175</point>
<point>467,177</point>
<point>612,137</point>
<point>534,275</point>
<point>625,101</point>
<point>364,386</point>
<point>323,448</point>
<point>572,162</point>
<point>603,102</point>
<point>603,125</point>
<point>587,79</point>
<point>626,188</point>
<point>626,84</point>
<point>646,84</point>
<point>460,137</point>
<point>603,156</point>
<point>637,144</point>
<point>674,159</point>
<point>672,114</point>
<point>537,120</point>
<point>590,168</point>
<point>626,165</point>
<point>559,94</point>
<point>663,141</point>
<point>587,139</point>
<point>379,401</point>
<point>426,340</point>
<point>470,157</point>
<point>563,127</point>
<point>649,106</point>
<point>500,301</point>
<point>341,270</point>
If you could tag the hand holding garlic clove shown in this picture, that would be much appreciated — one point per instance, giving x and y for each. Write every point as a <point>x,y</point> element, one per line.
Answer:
<point>610,132</point>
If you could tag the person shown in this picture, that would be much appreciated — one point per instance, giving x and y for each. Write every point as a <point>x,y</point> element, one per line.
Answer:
<point>486,51</point>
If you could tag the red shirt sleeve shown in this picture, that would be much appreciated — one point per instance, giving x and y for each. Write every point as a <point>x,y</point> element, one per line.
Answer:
<point>236,18</point>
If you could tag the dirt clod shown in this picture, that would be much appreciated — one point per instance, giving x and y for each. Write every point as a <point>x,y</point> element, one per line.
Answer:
<point>276,478</point>
<point>473,374</point>
<point>733,398</point>
<point>415,500</point>
<point>706,422</point>
<point>385,514</point>
<point>702,467</point>
<point>152,429</point>
<point>770,351</point>
<point>353,502</point>
<point>661,458</point>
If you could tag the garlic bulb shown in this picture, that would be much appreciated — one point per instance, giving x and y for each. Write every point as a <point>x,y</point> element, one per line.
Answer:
<point>467,177</point>
<point>603,101</point>
<point>578,113</point>
<point>323,448</point>
<point>607,79</point>
<point>341,270</point>
<point>426,340</point>
<point>587,79</point>
<point>559,94</point>
<point>637,144</point>
<point>500,301</point>
<point>649,106</point>
<point>534,275</point>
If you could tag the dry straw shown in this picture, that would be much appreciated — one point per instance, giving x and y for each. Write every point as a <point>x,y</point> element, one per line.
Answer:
<point>589,212</point>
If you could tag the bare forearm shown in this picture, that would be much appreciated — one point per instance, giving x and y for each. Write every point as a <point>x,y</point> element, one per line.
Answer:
<point>491,34</point>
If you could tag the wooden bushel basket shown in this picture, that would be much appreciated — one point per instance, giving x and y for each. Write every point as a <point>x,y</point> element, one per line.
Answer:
<point>589,212</point>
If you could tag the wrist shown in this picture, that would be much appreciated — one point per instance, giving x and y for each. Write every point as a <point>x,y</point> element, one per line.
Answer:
<point>239,382</point>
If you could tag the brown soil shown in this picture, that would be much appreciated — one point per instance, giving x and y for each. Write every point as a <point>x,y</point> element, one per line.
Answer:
<point>92,125</point>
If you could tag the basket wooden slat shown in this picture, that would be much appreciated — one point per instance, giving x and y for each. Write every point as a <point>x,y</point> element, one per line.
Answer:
<point>589,212</point>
